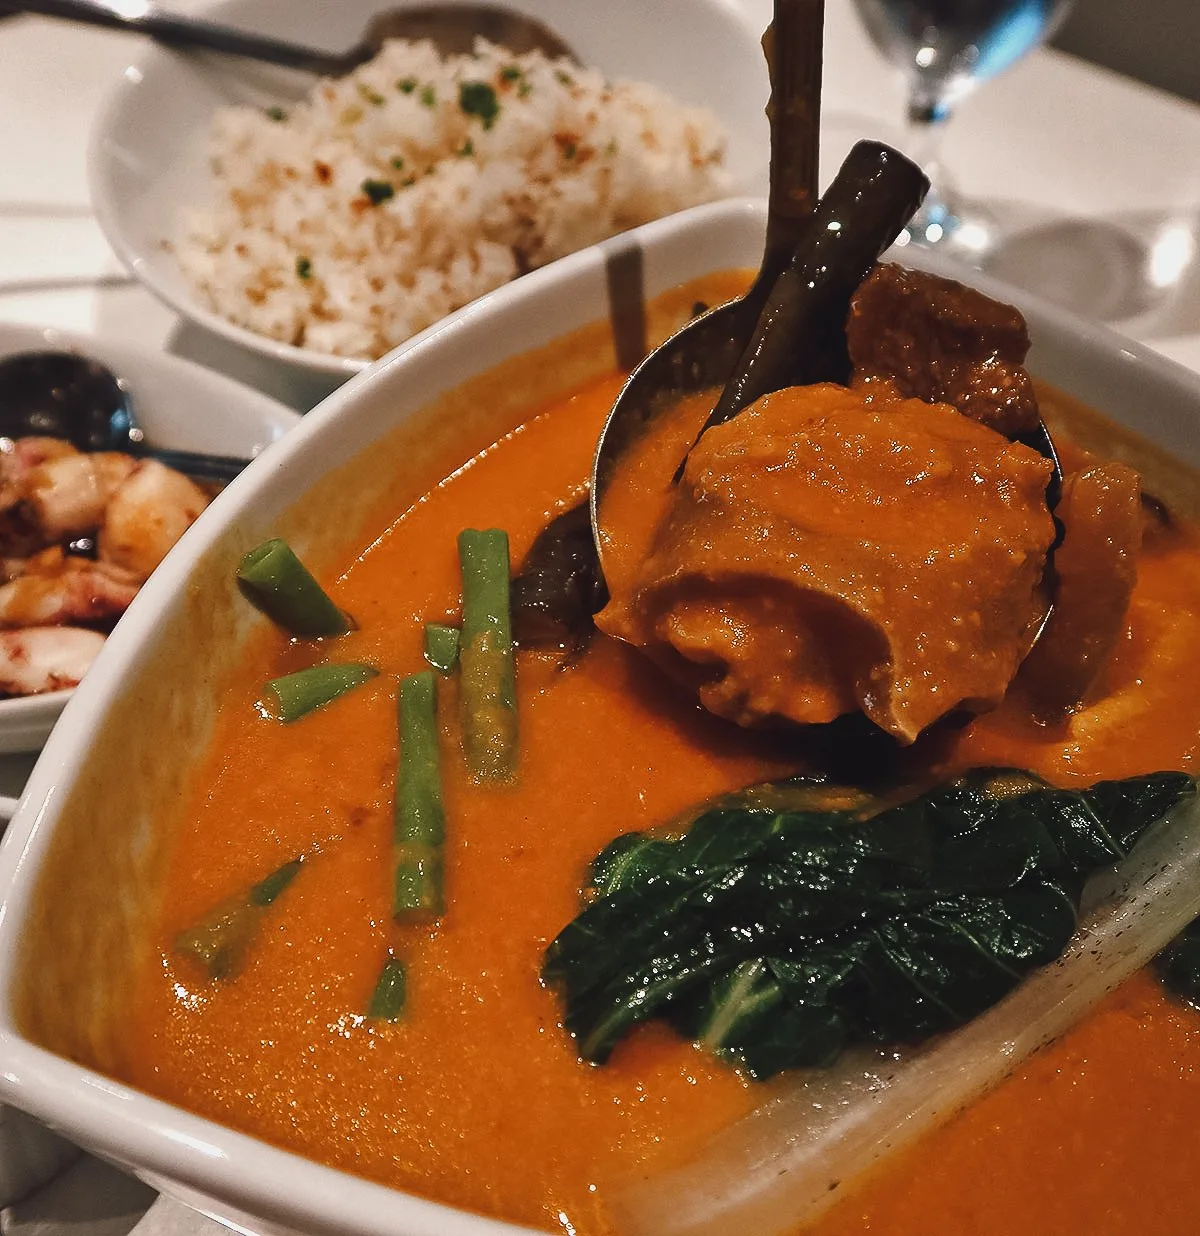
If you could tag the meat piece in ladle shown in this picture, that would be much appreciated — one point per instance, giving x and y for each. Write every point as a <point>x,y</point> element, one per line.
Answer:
<point>936,340</point>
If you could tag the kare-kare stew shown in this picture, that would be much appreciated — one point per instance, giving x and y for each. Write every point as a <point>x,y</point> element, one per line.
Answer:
<point>502,880</point>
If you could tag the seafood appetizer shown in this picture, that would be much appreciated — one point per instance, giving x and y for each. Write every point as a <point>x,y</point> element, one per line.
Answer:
<point>79,534</point>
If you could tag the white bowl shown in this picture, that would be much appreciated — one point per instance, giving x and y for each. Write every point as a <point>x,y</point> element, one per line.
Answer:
<point>178,404</point>
<point>149,160</point>
<point>228,1174</point>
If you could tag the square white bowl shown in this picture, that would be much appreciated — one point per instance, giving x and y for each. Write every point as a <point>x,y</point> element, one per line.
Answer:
<point>226,1173</point>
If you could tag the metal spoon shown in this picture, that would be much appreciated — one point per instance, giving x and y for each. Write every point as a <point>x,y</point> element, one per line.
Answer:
<point>453,28</point>
<point>704,353</point>
<point>65,395</point>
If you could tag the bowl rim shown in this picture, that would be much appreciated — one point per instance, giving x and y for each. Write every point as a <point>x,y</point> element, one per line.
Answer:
<point>26,721</point>
<point>108,214</point>
<point>177,1148</point>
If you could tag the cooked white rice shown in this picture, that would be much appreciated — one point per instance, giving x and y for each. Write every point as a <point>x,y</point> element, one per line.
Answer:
<point>399,193</point>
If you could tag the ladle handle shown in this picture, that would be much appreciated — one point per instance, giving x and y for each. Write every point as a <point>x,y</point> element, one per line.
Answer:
<point>183,32</point>
<point>800,337</point>
<point>794,49</point>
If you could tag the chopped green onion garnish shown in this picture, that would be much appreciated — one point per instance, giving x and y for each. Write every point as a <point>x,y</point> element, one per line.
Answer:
<point>391,991</point>
<point>428,96</point>
<point>299,693</point>
<point>406,85</point>
<point>304,267</point>
<point>276,582</point>
<point>479,99</point>
<point>441,646</point>
<point>377,191</point>
<point>276,113</point>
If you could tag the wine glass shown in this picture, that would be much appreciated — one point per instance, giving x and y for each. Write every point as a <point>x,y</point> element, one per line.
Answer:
<point>947,48</point>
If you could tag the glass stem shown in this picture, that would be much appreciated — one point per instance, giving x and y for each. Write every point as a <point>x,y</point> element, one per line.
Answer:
<point>923,139</point>
<point>923,144</point>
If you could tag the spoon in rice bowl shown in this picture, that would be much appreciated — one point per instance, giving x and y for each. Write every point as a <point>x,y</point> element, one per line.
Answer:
<point>452,28</point>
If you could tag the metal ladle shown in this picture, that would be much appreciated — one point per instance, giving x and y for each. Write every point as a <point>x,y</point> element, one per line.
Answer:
<point>704,353</point>
<point>452,28</point>
<point>65,395</point>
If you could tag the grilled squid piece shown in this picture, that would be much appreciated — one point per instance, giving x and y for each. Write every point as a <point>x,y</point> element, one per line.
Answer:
<point>37,659</point>
<point>146,515</point>
<point>76,591</point>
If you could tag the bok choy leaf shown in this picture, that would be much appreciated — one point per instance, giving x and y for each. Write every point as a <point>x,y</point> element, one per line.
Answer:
<point>777,936</point>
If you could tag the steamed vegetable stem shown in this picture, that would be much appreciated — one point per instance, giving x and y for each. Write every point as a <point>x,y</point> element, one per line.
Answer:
<point>220,941</point>
<point>441,646</point>
<point>487,668</point>
<point>391,992</point>
<point>298,694</point>
<point>276,582</point>
<point>419,816</point>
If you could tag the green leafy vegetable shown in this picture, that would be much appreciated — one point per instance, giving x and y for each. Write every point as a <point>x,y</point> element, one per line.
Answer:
<point>779,936</point>
<point>1178,965</point>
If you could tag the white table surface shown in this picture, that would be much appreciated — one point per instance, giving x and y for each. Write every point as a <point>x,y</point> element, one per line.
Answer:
<point>1091,171</point>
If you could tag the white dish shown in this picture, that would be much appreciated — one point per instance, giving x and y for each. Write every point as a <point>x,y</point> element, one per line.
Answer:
<point>178,404</point>
<point>148,157</point>
<point>237,1178</point>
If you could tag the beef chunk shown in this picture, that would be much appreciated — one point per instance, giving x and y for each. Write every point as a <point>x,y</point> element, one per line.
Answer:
<point>939,341</point>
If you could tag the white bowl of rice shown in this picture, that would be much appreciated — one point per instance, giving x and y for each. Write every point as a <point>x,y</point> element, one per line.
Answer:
<point>324,223</point>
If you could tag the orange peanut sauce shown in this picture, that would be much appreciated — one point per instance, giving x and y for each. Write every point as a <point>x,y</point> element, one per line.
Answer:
<point>476,1097</point>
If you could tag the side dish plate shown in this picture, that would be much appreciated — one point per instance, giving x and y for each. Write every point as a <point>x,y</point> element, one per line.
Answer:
<point>179,405</point>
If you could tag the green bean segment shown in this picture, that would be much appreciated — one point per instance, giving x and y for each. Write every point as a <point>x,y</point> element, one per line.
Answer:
<point>220,941</point>
<point>296,695</point>
<point>276,582</point>
<point>391,992</point>
<point>486,657</point>
<point>420,819</point>
<point>441,646</point>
